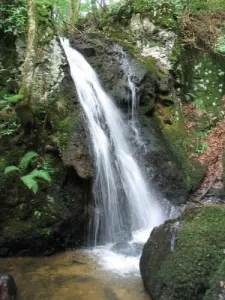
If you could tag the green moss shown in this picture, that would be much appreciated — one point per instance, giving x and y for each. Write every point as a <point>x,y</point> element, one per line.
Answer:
<point>144,109</point>
<point>176,53</point>
<point>151,64</point>
<point>165,19</point>
<point>17,230</point>
<point>3,92</point>
<point>65,129</point>
<point>3,163</point>
<point>203,74</point>
<point>198,255</point>
<point>166,99</point>
<point>67,122</point>
<point>176,135</point>
<point>216,285</point>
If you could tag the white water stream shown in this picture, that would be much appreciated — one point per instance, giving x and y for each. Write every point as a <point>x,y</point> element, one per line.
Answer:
<point>123,199</point>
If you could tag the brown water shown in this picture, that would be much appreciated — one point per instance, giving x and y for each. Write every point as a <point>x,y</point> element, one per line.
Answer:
<point>70,276</point>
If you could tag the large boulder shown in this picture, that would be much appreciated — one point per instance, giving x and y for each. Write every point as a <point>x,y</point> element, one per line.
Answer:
<point>184,258</point>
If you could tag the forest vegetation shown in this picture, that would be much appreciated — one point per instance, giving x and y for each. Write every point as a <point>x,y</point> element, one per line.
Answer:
<point>46,169</point>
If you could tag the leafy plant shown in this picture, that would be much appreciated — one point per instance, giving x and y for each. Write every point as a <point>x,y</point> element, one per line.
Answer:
<point>11,169</point>
<point>201,147</point>
<point>220,44</point>
<point>30,180</point>
<point>37,214</point>
<point>13,18</point>
<point>28,157</point>
<point>189,97</point>
<point>7,113</point>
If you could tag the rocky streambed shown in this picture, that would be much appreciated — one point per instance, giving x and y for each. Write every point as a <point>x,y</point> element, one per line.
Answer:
<point>71,275</point>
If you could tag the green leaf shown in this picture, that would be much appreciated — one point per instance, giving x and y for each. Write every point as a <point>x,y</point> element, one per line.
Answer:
<point>11,169</point>
<point>15,98</point>
<point>187,97</point>
<point>30,183</point>
<point>40,174</point>
<point>27,159</point>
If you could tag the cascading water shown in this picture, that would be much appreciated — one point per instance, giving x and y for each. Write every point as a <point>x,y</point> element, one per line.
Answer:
<point>135,97</point>
<point>133,88</point>
<point>120,190</point>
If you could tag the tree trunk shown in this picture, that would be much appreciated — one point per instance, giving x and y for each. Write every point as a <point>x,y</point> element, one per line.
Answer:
<point>70,7</point>
<point>28,67</point>
<point>77,9</point>
<point>24,108</point>
<point>74,7</point>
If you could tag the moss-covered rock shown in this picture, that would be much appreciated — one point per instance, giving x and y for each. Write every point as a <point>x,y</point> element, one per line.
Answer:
<point>53,219</point>
<point>204,85</point>
<point>173,129</point>
<point>57,216</point>
<point>184,258</point>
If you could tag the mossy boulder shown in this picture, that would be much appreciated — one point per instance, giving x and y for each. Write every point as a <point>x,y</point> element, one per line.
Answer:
<point>51,220</point>
<point>204,77</point>
<point>184,258</point>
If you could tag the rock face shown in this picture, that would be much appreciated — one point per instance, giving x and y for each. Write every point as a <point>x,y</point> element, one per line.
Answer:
<point>184,258</point>
<point>152,40</point>
<point>57,216</point>
<point>127,249</point>
<point>113,63</point>
<point>8,290</point>
<point>107,60</point>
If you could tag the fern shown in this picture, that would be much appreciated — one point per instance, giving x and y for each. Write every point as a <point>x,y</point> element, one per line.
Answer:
<point>40,174</point>
<point>29,180</point>
<point>24,163</point>
<point>30,183</point>
<point>11,169</point>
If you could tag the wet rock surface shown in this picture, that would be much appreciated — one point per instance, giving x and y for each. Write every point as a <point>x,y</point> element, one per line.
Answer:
<point>161,166</point>
<point>58,277</point>
<point>127,249</point>
<point>106,59</point>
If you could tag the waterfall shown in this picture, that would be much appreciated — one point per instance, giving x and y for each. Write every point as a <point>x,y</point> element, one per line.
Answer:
<point>123,199</point>
<point>133,88</point>
<point>135,97</point>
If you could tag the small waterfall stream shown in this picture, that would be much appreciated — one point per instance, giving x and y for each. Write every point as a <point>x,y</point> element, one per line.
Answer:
<point>133,88</point>
<point>123,200</point>
<point>133,105</point>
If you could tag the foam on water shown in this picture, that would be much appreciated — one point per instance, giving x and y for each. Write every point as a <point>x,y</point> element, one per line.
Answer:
<point>120,264</point>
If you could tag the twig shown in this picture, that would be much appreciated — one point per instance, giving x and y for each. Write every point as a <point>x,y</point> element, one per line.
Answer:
<point>67,22</point>
<point>205,192</point>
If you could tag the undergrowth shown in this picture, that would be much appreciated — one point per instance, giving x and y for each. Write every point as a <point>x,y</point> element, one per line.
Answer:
<point>30,180</point>
<point>200,22</point>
